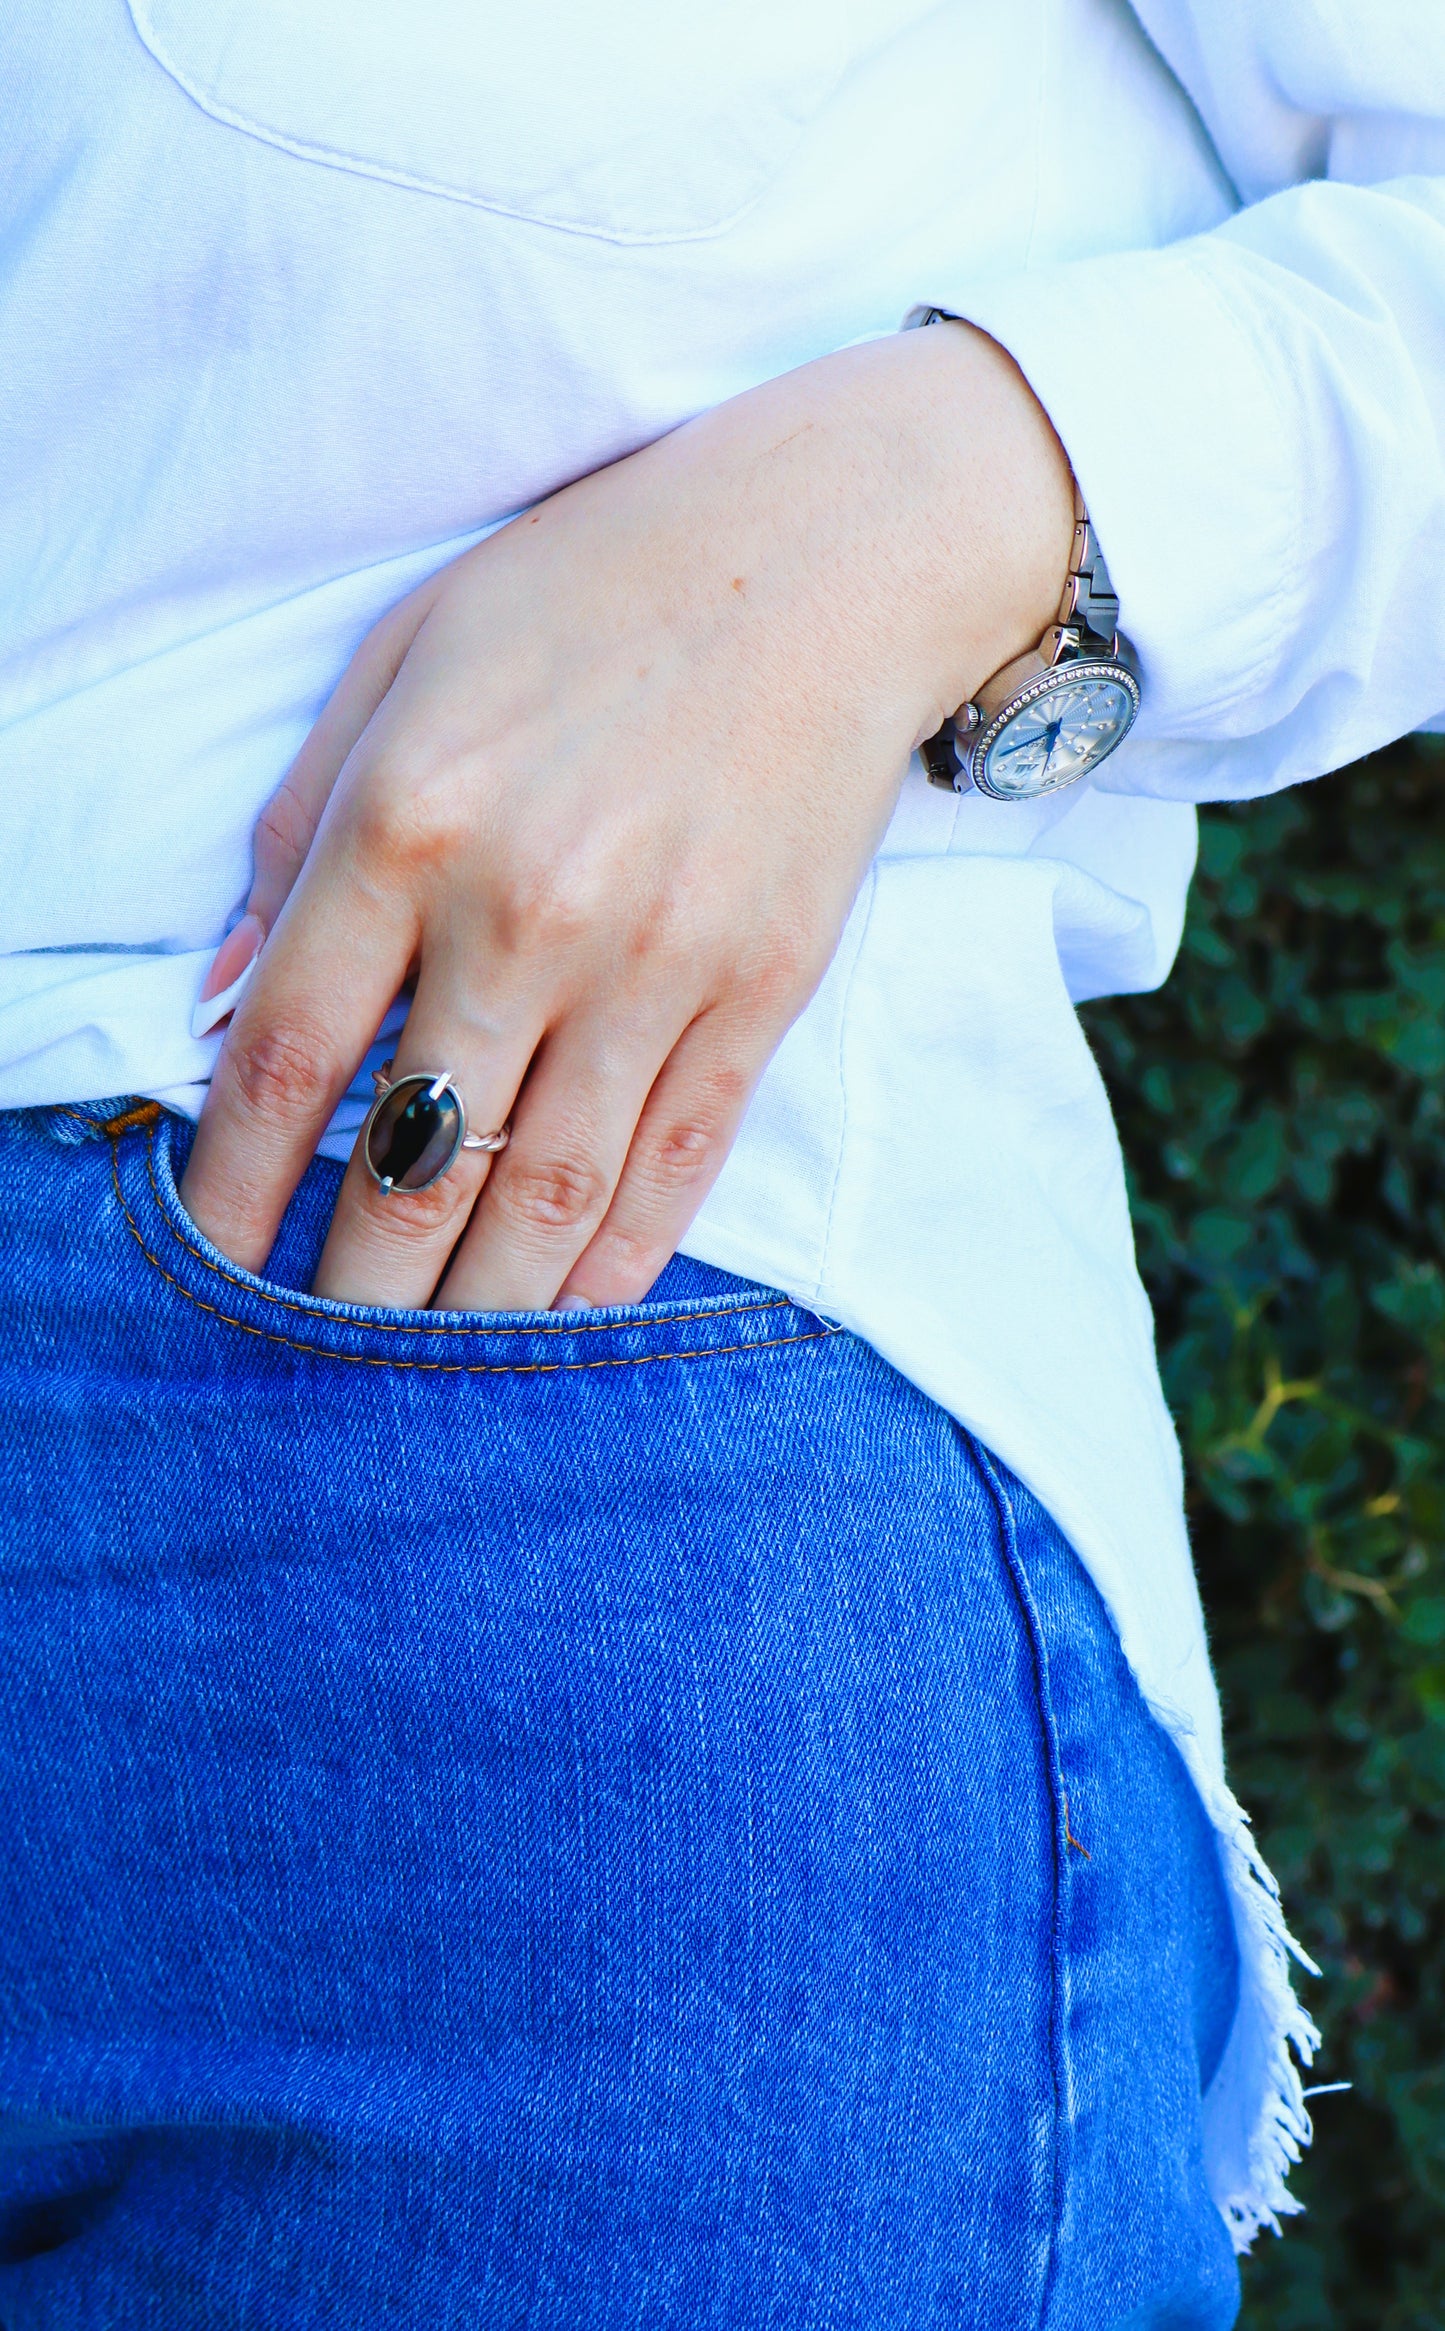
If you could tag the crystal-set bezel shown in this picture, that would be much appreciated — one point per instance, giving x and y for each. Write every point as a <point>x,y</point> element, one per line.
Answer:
<point>1070,674</point>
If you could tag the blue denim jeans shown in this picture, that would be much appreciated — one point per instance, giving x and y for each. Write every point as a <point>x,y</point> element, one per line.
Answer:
<point>630,1823</point>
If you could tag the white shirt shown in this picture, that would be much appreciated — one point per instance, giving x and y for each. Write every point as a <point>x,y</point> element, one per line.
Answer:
<point>298,298</point>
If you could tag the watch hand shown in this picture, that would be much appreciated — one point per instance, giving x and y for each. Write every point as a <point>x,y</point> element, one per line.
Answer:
<point>1029,741</point>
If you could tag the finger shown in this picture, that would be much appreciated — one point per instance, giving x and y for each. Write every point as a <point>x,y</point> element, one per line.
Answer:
<point>392,1247</point>
<point>287,825</point>
<point>319,992</point>
<point>678,1150</point>
<point>550,1188</point>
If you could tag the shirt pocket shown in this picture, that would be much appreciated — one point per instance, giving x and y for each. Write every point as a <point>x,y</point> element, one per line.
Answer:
<point>647,123</point>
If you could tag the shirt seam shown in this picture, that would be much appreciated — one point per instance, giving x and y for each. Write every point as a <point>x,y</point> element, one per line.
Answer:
<point>830,1209</point>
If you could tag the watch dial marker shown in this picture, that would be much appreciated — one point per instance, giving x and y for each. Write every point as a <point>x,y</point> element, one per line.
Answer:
<point>1064,732</point>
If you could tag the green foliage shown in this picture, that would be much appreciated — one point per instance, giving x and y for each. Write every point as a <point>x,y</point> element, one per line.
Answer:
<point>1282,1107</point>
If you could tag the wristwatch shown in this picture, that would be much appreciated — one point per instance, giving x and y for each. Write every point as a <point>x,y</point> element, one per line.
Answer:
<point>1051,716</point>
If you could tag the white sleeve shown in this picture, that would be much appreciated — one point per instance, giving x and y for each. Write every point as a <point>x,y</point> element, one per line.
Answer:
<point>1256,415</point>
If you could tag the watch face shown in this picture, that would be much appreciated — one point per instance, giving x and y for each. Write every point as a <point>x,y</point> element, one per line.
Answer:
<point>1070,722</point>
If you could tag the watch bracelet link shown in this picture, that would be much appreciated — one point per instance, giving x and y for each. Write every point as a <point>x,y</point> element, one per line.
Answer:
<point>1088,617</point>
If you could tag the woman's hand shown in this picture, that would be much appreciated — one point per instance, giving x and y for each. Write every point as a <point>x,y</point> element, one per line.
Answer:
<point>605,789</point>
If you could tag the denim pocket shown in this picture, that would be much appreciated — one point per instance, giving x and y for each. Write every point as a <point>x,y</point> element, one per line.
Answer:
<point>747,1318</point>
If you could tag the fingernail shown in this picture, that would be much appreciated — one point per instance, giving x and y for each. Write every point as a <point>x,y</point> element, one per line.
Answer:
<point>236,952</point>
<point>573,1303</point>
<point>231,967</point>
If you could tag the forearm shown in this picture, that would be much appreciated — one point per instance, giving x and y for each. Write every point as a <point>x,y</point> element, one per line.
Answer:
<point>928,492</point>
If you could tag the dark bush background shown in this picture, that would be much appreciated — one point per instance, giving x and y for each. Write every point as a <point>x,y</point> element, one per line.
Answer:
<point>1282,1106</point>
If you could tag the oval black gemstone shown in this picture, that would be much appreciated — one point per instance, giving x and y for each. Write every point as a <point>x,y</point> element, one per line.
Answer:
<point>412,1138</point>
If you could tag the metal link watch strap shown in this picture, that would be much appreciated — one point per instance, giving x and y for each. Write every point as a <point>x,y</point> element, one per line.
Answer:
<point>1088,618</point>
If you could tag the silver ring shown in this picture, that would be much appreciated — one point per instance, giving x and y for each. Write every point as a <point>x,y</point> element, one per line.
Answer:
<point>416,1129</point>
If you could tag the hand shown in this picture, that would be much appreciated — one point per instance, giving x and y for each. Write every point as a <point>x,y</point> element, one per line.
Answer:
<point>604,791</point>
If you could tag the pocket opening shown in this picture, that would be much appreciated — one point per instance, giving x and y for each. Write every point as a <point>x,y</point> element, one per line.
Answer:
<point>747,1318</point>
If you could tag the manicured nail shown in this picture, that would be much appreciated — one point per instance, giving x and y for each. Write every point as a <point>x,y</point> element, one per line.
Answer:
<point>225,982</point>
<point>235,954</point>
<point>573,1303</point>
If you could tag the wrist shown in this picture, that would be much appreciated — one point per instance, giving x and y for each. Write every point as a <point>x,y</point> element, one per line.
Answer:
<point>981,511</point>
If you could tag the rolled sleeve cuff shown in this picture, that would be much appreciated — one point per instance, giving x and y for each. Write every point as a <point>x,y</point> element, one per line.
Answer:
<point>1172,417</point>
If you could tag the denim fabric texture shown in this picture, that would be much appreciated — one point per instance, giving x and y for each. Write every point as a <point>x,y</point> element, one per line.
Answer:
<point>618,1823</point>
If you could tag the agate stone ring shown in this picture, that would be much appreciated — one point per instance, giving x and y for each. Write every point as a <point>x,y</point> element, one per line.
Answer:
<point>416,1129</point>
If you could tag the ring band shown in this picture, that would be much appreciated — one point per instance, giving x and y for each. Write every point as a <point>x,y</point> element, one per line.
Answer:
<point>416,1129</point>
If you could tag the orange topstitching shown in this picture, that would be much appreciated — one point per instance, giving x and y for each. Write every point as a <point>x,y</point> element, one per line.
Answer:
<point>441,1367</point>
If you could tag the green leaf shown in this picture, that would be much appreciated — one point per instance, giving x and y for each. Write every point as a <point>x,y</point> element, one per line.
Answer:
<point>1424,1621</point>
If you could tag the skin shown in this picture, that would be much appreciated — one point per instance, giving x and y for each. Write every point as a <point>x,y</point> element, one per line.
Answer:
<point>605,790</point>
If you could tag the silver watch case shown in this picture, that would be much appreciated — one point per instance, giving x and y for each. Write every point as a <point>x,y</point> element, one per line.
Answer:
<point>970,738</point>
